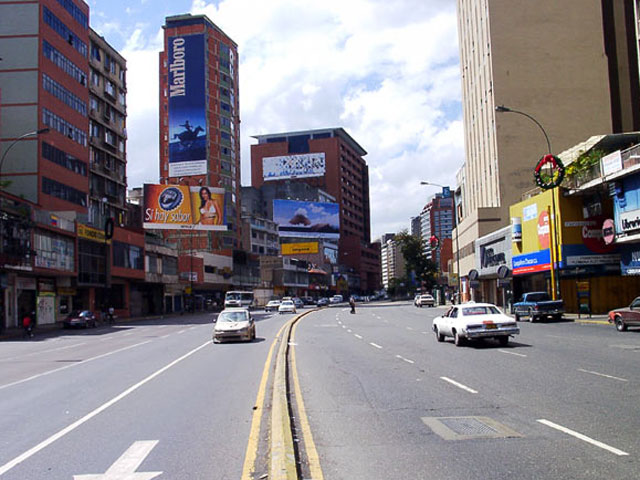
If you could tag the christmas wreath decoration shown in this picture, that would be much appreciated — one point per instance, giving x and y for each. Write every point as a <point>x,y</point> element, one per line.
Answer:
<point>434,242</point>
<point>544,180</point>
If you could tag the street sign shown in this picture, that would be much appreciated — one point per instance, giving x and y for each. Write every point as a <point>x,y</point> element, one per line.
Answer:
<point>125,467</point>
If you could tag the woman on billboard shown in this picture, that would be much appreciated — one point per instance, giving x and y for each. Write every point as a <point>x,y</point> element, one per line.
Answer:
<point>210,210</point>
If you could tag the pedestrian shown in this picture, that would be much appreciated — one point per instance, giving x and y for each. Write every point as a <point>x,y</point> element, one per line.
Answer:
<point>27,324</point>
<point>352,304</point>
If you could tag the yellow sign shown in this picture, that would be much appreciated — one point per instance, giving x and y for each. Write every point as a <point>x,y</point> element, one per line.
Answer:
<point>91,233</point>
<point>299,248</point>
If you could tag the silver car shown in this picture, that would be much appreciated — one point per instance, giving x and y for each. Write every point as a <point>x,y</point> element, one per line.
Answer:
<point>234,324</point>
<point>287,306</point>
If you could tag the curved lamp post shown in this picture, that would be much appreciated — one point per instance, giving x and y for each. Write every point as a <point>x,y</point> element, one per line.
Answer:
<point>553,235</point>
<point>21,137</point>
<point>455,219</point>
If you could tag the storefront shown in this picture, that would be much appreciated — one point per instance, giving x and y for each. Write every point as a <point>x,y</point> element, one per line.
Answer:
<point>493,273</point>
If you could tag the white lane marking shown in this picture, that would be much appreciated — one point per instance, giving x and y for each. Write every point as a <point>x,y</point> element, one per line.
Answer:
<point>127,334</point>
<point>127,464</point>
<point>56,436</point>
<point>374,345</point>
<point>404,359</point>
<point>72,365</point>
<point>42,351</point>
<point>582,437</point>
<point>425,333</point>
<point>344,326</point>
<point>357,336</point>
<point>409,328</point>
<point>166,336</point>
<point>512,353</point>
<point>459,385</point>
<point>603,375</point>
<point>348,330</point>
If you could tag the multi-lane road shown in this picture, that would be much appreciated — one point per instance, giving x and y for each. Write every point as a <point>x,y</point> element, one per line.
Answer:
<point>383,400</point>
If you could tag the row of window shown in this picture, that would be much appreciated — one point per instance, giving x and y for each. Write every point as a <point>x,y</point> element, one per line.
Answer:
<point>110,137</point>
<point>106,161</point>
<point>64,159</point>
<point>61,29</point>
<point>127,256</point>
<point>54,251</point>
<point>64,63</point>
<point>61,93</point>
<point>109,87</point>
<point>63,192</point>
<point>52,120</point>
<point>75,12</point>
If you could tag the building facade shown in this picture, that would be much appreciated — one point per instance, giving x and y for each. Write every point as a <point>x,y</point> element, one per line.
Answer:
<point>437,219</point>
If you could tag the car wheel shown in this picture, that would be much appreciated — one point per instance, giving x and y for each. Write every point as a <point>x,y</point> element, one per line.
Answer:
<point>620,325</point>
<point>532,318</point>
<point>458,339</point>
<point>439,336</point>
<point>517,317</point>
<point>503,341</point>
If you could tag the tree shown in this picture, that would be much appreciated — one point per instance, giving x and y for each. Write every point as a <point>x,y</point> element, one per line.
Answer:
<point>416,260</point>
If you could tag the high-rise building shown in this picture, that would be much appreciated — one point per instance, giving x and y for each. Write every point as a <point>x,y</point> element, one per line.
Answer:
<point>572,66</point>
<point>199,119</point>
<point>392,262</point>
<point>331,160</point>
<point>437,219</point>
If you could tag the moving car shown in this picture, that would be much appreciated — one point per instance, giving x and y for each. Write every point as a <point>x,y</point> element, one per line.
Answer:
<point>336,299</point>
<point>425,300</point>
<point>537,306</point>
<point>322,302</point>
<point>272,306</point>
<point>471,321</point>
<point>287,306</point>
<point>298,303</point>
<point>234,324</point>
<point>80,318</point>
<point>626,317</point>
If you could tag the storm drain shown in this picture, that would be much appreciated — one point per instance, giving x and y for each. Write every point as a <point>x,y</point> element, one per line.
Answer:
<point>465,428</point>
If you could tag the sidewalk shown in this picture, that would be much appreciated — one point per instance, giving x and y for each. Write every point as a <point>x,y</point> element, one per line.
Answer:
<point>600,319</point>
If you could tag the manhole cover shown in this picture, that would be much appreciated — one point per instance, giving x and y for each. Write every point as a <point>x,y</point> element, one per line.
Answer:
<point>464,428</point>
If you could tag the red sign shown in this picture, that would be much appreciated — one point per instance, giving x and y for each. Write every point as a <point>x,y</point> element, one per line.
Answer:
<point>608,231</point>
<point>543,230</point>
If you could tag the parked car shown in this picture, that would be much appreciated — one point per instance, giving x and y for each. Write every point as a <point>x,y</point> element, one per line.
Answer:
<point>536,306</point>
<point>471,321</point>
<point>415,299</point>
<point>336,299</point>
<point>80,318</point>
<point>425,300</point>
<point>287,306</point>
<point>272,306</point>
<point>308,300</point>
<point>322,302</point>
<point>234,324</point>
<point>626,317</point>
<point>298,303</point>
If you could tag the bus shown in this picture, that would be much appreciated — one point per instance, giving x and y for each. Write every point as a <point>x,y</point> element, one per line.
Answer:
<point>237,298</point>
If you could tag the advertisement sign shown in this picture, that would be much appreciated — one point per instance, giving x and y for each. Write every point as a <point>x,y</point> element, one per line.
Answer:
<point>532,262</point>
<point>299,248</point>
<point>293,166</point>
<point>530,212</point>
<point>516,229</point>
<point>608,231</point>
<point>630,259</point>
<point>180,207</point>
<point>93,234</point>
<point>611,163</point>
<point>307,219</point>
<point>187,104</point>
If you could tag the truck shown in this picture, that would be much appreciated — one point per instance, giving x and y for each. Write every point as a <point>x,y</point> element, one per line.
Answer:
<point>536,306</point>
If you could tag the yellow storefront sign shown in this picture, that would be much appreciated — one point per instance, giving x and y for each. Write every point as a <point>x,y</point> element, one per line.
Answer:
<point>89,233</point>
<point>299,248</point>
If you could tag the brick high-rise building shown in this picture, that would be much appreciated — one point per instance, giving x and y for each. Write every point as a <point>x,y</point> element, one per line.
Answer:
<point>337,168</point>
<point>199,68</point>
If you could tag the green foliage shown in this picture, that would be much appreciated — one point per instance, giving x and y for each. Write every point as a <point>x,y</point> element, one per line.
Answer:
<point>584,162</point>
<point>415,259</point>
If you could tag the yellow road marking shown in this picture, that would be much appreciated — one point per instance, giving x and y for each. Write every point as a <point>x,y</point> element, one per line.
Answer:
<point>312,454</point>
<point>254,435</point>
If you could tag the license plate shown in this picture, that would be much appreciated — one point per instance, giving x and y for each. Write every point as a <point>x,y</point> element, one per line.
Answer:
<point>490,326</point>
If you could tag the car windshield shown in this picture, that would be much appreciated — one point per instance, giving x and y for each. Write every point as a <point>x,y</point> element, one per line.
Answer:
<point>480,310</point>
<point>287,303</point>
<point>233,317</point>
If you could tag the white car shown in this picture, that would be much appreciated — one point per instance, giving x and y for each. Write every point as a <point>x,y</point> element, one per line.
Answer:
<point>234,324</point>
<point>272,306</point>
<point>336,299</point>
<point>287,306</point>
<point>425,300</point>
<point>471,321</point>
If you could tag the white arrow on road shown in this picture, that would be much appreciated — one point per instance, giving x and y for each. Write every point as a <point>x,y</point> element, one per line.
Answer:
<point>125,467</point>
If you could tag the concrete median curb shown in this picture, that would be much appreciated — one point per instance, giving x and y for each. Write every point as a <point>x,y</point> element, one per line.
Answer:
<point>282,451</point>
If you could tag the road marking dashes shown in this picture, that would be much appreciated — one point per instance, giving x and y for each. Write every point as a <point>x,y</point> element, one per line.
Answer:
<point>404,359</point>
<point>582,437</point>
<point>512,353</point>
<point>603,375</point>
<point>357,336</point>
<point>374,345</point>
<point>459,385</point>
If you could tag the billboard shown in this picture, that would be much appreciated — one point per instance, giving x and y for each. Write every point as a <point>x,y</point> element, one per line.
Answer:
<point>299,248</point>
<point>187,106</point>
<point>293,166</point>
<point>307,219</point>
<point>180,207</point>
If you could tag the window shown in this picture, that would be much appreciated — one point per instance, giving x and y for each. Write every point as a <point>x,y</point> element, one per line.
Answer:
<point>170,265</point>
<point>64,159</point>
<point>61,93</point>
<point>127,256</point>
<point>110,88</point>
<point>91,262</point>
<point>95,52</point>
<point>61,29</point>
<point>63,192</point>
<point>63,63</point>
<point>52,120</point>
<point>75,12</point>
<point>225,106</point>
<point>93,103</point>
<point>54,251</point>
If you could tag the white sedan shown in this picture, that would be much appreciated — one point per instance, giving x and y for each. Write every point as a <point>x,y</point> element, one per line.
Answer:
<point>234,324</point>
<point>471,321</point>
<point>287,306</point>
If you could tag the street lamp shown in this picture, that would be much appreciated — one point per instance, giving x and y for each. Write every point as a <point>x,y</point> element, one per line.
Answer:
<point>21,137</point>
<point>552,223</point>
<point>455,219</point>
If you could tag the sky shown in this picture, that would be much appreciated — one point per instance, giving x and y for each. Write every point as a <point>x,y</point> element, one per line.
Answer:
<point>387,71</point>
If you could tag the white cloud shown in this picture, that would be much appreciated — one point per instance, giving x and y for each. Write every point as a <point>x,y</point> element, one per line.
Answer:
<point>386,71</point>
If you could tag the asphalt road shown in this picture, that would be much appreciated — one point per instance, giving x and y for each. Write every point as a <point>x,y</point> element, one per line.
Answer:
<point>385,400</point>
<point>150,397</point>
